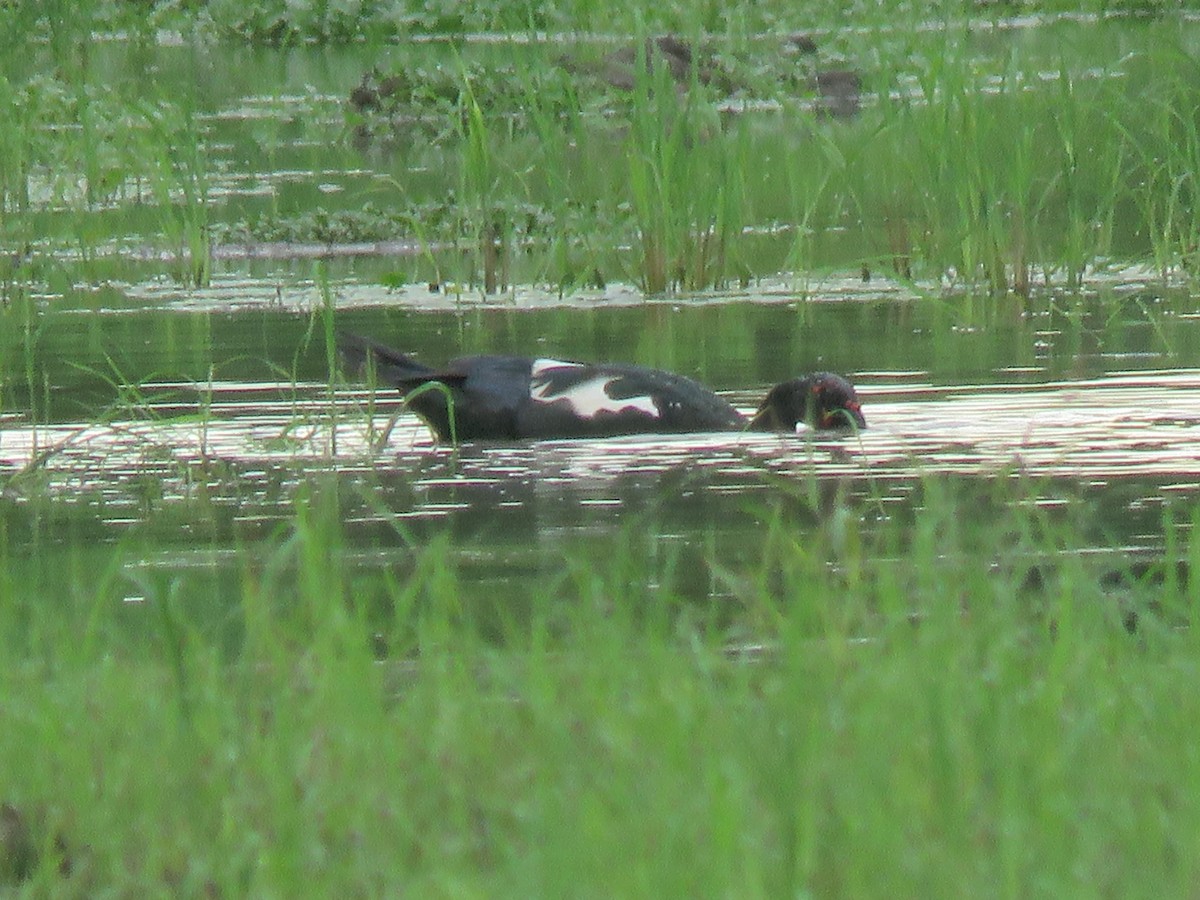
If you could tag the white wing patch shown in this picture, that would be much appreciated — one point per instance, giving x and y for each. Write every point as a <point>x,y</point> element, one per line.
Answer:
<point>589,397</point>
<point>541,365</point>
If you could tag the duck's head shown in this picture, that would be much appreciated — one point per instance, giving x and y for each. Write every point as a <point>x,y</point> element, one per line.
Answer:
<point>822,400</point>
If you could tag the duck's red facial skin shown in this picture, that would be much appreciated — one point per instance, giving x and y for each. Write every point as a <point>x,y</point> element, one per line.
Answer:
<point>835,404</point>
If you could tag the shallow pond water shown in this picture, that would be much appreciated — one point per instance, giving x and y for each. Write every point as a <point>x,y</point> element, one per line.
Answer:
<point>1086,406</point>
<point>1120,448</point>
<point>188,420</point>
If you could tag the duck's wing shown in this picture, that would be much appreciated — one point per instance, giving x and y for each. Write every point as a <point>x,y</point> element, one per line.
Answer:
<point>571,399</point>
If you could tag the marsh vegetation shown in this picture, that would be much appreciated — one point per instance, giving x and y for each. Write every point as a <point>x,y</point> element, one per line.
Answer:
<point>260,633</point>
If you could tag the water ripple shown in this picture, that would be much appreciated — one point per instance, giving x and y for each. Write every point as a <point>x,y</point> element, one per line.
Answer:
<point>255,449</point>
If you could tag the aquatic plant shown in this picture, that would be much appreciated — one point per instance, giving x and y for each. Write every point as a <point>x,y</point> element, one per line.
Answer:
<point>685,181</point>
<point>179,181</point>
<point>1165,148</point>
<point>484,230</point>
<point>971,164</point>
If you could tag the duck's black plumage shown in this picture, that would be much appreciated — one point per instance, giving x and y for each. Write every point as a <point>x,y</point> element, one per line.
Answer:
<point>513,398</point>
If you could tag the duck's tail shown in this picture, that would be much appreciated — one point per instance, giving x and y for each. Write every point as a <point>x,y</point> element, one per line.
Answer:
<point>361,354</point>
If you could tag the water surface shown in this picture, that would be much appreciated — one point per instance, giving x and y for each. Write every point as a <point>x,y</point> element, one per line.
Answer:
<point>140,409</point>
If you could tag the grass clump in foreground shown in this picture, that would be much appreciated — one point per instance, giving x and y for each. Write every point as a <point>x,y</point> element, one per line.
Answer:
<point>939,725</point>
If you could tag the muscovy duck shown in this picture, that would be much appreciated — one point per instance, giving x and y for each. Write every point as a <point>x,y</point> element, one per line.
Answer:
<point>517,397</point>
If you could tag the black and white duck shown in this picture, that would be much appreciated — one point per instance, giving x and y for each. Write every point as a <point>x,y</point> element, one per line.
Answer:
<point>499,398</point>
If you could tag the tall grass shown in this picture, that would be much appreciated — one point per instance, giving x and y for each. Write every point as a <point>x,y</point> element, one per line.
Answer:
<point>685,181</point>
<point>178,176</point>
<point>17,142</point>
<point>482,220</point>
<point>976,172</point>
<point>74,149</point>
<point>1166,152</point>
<point>939,722</point>
<point>992,177</point>
<point>975,168</point>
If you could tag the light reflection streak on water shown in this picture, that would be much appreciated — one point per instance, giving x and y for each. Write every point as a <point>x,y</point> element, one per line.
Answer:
<point>1128,425</point>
